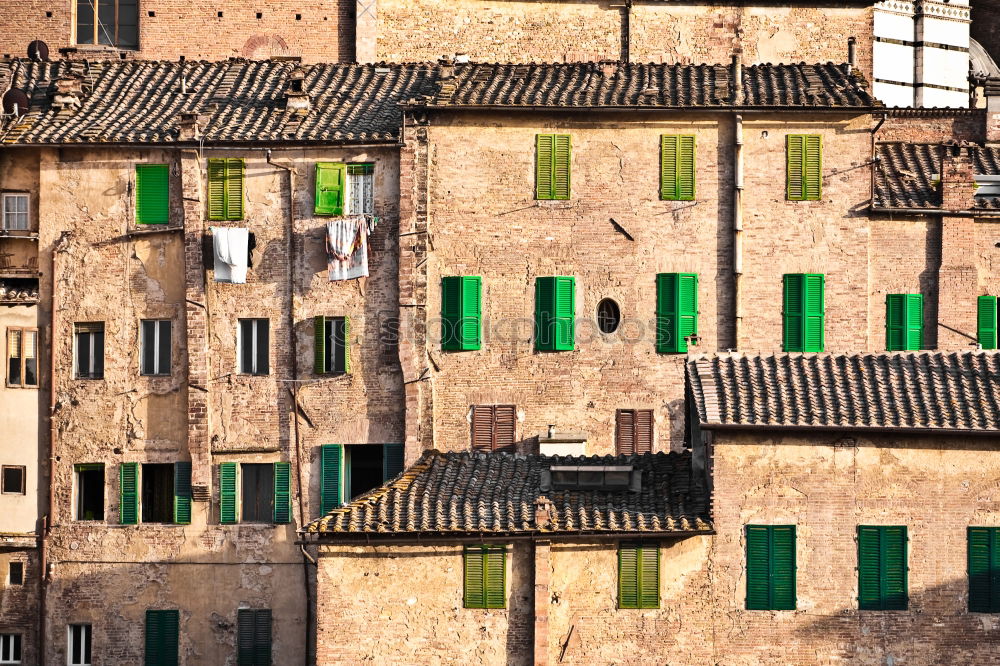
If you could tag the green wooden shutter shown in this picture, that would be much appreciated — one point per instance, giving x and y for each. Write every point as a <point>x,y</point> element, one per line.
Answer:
<point>331,474</point>
<point>770,567</point>
<point>262,637</point>
<point>545,288</point>
<point>495,583</point>
<point>649,576</point>
<point>392,461</point>
<point>345,349</point>
<point>544,144</point>
<point>984,569</point>
<point>234,189</point>
<point>555,313</point>
<point>628,576</point>
<point>561,159</point>
<point>812,167</point>
<point>795,152</point>
<point>319,345</point>
<point>228,473</point>
<point>282,493</point>
<point>676,311</point>
<point>986,315</point>
<point>182,492</point>
<point>216,189</point>
<point>470,329</point>
<point>677,167</point>
<point>882,570</point>
<point>128,508</point>
<point>904,328</point>
<point>475,576</point>
<point>162,637</point>
<point>152,203</point>
<point>244,637</point>
<point>461,313</point>
<point>331,187</point>
<point>803,313</point>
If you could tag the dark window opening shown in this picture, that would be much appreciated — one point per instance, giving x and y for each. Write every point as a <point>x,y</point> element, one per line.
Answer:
<point>108,22</point>
<point>10,648</point>
<point>336,344</point>
<point>15,574</point>
<point>365,465</point>
<point>90,350</point>
<point>13,480</point>
<point>90,492</point>
<point>260,15</point>
<point>258,493</point>
<point>158,493</point>
<point>22,357</point>
<point>254,346</point>
<point>609,316</point>
<point>79,645</point>
<point>298,17</point>
<point>591,477</point>
<point>155,347</point>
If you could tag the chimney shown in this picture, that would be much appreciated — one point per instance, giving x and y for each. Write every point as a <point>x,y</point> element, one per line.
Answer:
<point>852,53</point>
<point>296,97</point>
<point>543,512</point>
<point>67,95</point>
<point>958,275</point>
<point>188,126</point>
<point>991,90</point>
<point>609,67</point>
<point>447,68</point>
<point>958,179</point>
<point>737,92</point>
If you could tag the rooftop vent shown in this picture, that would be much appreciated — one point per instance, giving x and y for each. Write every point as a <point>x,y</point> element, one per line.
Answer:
<point>591,477</point>
<point>562,444</point>
<point>296,97</point>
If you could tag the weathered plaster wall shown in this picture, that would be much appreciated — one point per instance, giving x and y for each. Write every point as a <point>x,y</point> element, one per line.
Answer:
<point>316,30</point>
<point>404,604</point>
<point>827,485</point>
<point>19,603</point>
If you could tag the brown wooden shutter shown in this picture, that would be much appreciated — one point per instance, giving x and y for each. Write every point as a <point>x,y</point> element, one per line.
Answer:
<point>644,431</point>
<point>625,432</point>
<point>503,427</point>
<point>482,428</point>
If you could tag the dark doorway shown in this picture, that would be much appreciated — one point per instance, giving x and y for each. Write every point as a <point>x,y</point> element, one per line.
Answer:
<point>366,468</point>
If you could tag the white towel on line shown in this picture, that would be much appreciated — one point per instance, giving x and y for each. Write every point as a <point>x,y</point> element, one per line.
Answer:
<point>231,246</point>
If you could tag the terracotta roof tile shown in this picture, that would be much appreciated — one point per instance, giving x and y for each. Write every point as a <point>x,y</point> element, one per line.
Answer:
<point>907,175</point>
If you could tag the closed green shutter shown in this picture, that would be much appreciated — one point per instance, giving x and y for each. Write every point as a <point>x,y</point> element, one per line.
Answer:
<point>253,637</point>
<point>331,188</point>
<point>162,637</point>
<point>392,461</point>
<point>227,493</point>
<point>319,345</point>
<point>984,569</point>
<point>770,567</point>
<point>128,508</point>
<point>182,493</point>
<point>882,569</point>
<point>331,473</point>
<point>262,637</point>
<point>628,576</point>
<point>461,313</point>
<point>677,167</point>
<point>234,189</point>
<point>282,493</point>
<point>485,577</point>
<point>804,153</point>
<point>649,576</point>
<point>225,189</point>
<point>553,155</point>
<point>152,203</point>
<point>676,311</point>
<point>986,324</point>
<point>555,313</point>
<point>904,322</point>
<point>638,576</point>
<point>803,313</point>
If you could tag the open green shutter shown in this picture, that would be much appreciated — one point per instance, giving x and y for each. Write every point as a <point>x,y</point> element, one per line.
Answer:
<point>561,164</point>
<point>649,576</point>
<point>986,321</point>
<point>234,189</point>
<point>984,569</point>
<point>128,481</point>
<point>677,167</point>
<point>812,167</point>
<point>782,567</point>
<point>470,329</point>
<point>628,576</point>
<point>152,204</point>
<point>217,189</point>
<point>227,493</point>
<point>392,461</point>
<point>668,167</point>
<point>495,585</point>
<point>475,596</point>
<point>331,188</point>
<point>345,350</point>
<point>795,151</point>
<point>319,345</point>
<point>282,493</point>
<point>544,149</point>
<point>182,493</point>
<point>331,471</point>
<point>564,313</point>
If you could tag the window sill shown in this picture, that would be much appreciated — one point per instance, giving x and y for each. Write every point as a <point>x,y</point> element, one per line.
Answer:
<point>555,203</point>
<point>18,386</point>
<point>25,234</point>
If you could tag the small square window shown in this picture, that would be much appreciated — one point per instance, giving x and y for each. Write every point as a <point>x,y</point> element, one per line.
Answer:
<point>13,480</point>
<point>254,345</point>
<point>155,358</point>
<point>15,211</point>
<point>10,648</point>
<point>15,573</point>
<point>79,644</point>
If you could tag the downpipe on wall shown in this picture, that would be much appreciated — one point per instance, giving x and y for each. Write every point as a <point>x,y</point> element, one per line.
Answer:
<point>737,203</point>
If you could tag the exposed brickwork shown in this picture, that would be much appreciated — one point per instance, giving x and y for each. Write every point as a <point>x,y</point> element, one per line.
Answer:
<point>934,127</point>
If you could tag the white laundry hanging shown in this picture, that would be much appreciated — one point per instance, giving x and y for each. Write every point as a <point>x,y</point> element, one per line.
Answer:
<point>231,247</point>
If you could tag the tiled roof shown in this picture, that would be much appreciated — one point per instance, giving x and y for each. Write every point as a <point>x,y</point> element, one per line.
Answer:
<point>568,85</point>
<point>245,100</point>
<point>141,101</point>
<point>919,390</point>
<point>907,174</point>
<point>491,493</point>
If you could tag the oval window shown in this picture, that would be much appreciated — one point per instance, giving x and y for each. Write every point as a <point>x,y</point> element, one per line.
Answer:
<point>608,316</point>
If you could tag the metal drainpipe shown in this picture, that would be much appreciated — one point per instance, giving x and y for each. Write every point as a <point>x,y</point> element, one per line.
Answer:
<point>294,388</point>
<point>737,203</point>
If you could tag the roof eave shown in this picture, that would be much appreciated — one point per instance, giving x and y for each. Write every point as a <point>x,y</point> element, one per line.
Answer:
<point>419,538</point>
<point>722,108</point>
<point>758,427</point>
<point>970,212</point>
